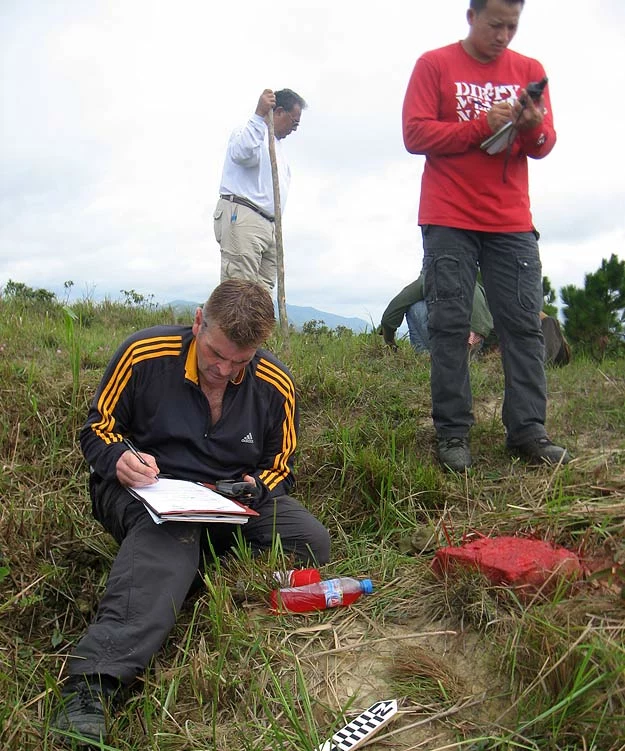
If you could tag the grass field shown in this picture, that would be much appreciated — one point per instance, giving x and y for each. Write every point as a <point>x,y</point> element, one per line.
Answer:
<point>472,666</point>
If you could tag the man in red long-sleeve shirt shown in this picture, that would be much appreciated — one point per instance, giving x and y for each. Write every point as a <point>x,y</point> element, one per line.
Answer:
<point>475,213</point>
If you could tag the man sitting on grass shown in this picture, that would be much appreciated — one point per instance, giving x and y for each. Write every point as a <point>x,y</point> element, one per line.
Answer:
<point>201,403</point>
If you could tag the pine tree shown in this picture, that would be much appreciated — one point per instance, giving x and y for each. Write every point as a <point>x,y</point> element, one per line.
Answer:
<point>549,298</point>
<point>595,315</point>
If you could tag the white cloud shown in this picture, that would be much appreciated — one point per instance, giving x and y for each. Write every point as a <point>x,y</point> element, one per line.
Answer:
<point>114,117</point>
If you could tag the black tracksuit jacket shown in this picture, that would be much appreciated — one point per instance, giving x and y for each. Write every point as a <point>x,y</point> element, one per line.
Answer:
<point>150,393</point>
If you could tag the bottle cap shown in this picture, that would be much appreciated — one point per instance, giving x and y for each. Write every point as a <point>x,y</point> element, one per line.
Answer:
<point>366,586</point>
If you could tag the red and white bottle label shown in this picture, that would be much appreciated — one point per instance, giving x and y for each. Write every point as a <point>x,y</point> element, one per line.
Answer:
<point>333,592</point>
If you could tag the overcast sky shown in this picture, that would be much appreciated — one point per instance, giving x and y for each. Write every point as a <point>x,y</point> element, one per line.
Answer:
<point>114,117</point>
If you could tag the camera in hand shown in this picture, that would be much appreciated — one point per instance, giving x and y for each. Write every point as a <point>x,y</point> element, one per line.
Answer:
<point>237,489</point>
<point>536,88</point>
<point>503,138</point>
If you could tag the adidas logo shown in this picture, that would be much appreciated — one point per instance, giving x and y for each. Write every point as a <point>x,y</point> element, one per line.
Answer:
<point>247,439</point>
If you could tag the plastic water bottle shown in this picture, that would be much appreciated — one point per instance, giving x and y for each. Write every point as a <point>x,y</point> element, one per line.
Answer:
<point>296,577</point>
<point>325,594</point>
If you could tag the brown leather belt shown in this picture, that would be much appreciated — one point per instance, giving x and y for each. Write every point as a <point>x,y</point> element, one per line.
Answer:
<point>249,204</point>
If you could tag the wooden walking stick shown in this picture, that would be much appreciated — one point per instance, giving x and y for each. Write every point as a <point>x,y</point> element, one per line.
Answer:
<point>284,321</point>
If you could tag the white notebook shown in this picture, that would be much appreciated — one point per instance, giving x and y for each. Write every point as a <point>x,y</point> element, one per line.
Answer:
<point>499,140</point>
<point>182,500</point>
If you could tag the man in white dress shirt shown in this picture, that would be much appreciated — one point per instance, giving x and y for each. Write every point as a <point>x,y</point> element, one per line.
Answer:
<point>244,216</point>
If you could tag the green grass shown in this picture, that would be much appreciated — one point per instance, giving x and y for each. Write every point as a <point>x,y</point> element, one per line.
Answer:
<point>472,665</point>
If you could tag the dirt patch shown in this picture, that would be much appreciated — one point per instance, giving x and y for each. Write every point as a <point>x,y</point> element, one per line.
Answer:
<point>355,661</point>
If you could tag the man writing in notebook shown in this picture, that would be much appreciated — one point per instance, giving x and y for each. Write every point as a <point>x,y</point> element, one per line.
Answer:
<point>475,214</point>
<point>201,403</point>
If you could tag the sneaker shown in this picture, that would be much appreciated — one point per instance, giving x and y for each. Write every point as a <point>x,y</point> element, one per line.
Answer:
<point>454,453</point>
<point>541,451</point>
<point>85,701</point>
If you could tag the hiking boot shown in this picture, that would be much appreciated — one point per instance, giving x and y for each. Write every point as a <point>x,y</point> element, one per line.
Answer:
<point>85,700</point>
<point>541,451</point>
<point>454,453</point>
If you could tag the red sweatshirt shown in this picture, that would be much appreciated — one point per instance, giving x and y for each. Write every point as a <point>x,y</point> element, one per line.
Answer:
<point>444,117</point>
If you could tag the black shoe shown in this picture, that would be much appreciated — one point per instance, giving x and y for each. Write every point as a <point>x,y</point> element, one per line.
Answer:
<point>541,451</point>
<point>85,701</point>
<point>454,453</point>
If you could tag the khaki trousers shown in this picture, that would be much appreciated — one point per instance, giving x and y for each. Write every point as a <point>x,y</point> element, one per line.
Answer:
<point>247,242</point>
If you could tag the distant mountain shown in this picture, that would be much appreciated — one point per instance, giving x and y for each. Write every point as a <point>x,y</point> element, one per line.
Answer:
<point>183,306</point>
<point>297,316</point>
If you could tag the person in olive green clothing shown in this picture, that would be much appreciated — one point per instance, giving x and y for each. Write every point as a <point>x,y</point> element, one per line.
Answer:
<point>410,303</point>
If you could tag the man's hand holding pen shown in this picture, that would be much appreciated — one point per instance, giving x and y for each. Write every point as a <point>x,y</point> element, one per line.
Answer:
<point>136,469</point>
<point>524,113</point>
<point>500,114</point>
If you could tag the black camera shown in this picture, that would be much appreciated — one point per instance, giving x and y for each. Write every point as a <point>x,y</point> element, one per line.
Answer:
<point>237,489</point>
<point>536,88</point>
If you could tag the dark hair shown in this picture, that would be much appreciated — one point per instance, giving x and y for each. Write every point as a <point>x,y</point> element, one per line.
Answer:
<point>287,99</point>
<point>243,310</point>
<point>479,5</point>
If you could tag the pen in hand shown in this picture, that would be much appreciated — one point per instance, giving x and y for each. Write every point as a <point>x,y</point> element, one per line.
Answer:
<point>129,445</point>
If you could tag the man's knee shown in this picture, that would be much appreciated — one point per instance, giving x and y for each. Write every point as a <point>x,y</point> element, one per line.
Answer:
<point>319,543</point>
<point>299,532</point>
<point>308,542</point>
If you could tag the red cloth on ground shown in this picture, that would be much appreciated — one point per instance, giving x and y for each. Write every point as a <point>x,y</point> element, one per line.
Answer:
<point>517,561</point>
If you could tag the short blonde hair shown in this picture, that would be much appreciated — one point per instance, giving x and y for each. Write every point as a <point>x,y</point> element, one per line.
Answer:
<point>243,310</point>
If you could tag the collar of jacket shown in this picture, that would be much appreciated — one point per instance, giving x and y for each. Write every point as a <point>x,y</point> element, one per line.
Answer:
<point>190,367</point>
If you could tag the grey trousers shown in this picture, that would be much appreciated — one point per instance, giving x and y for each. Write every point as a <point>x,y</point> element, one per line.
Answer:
<point>156,566</point>
<point>512,277</point>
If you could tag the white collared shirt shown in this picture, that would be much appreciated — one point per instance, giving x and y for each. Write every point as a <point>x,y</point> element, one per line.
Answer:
<point>247,167</point>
